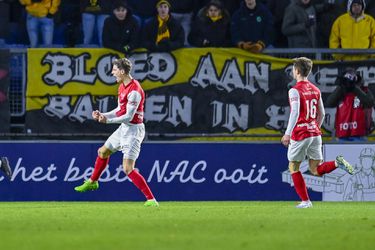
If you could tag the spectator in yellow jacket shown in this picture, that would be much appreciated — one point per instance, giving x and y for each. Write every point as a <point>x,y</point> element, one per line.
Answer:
<point>40,20</point>
<point>353,30</point>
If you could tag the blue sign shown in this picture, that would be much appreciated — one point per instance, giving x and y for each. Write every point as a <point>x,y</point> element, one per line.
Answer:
<point>174,171</point>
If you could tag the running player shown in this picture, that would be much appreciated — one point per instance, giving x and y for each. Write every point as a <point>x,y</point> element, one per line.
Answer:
<point>303,136</point>
<point>128,137</point>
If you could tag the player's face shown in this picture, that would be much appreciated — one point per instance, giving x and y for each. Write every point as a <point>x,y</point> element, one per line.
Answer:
<point>163,10</point>
<point>120,13</point>
<point>213,11</point>
<point>117,73</point>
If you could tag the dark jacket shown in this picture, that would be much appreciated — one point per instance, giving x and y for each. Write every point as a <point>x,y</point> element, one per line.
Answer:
<point>118,34</point>
<point>252,25</point>
<point>203,28</point>
<point>294,25</point>
<point>150,30</point>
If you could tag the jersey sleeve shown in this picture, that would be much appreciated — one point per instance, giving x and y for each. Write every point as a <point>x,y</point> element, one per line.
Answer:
<point>112,113</point>
<point>294,101</point>
<point>134,99</point>
<point>321,112</point>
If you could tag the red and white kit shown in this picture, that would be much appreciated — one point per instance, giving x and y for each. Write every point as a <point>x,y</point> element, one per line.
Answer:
<point>306,118</point>
<point>129,112</point>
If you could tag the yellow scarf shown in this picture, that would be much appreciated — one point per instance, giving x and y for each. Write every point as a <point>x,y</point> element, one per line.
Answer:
<point>163,31</point>
<point>214,19</point>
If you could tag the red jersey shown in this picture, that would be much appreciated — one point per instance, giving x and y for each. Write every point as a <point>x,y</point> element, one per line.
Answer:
<point>123,100</point>
<point>307,124</point>
<point>351,117</point>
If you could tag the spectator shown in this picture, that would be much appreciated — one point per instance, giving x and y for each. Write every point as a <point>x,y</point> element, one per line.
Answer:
<point>94,14</point>
<point>40,15</point>
<point>354,104</point>
<point>277,8</point>
<point>252,26</point>
<point>353,30</point>
<point>211,27</point>
<point>332,10</point>
<point>182,11</point>
<point>163,33</point>
<point>299,24</point>
<point>121,30</point>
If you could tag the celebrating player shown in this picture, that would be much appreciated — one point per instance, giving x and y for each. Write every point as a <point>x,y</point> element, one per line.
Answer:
<point>128,137</point>
<point>303,135</point>
<point>4,166</point>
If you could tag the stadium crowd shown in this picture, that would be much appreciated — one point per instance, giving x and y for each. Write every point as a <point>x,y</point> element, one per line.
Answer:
<point>165,25</point>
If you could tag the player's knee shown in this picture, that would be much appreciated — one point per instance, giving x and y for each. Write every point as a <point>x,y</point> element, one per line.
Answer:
<point>103,153</point>
<point>314,171</point>
<point>128,169</point>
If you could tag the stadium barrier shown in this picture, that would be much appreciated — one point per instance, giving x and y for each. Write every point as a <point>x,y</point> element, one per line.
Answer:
<point>49,171</point>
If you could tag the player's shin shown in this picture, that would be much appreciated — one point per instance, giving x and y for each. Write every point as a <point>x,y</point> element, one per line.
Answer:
<point>300,186</point>
<point>141,184</point>
<point>100,165</point>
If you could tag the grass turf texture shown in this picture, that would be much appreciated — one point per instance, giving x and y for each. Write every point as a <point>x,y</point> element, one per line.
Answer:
<point>186,225</point>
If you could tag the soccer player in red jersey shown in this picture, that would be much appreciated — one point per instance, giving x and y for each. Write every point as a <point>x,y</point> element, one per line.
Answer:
<point>303,136</point>
<point>128,137</point>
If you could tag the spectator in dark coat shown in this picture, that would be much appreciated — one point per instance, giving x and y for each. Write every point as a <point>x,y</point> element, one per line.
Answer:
<point>163,33</point>
<point>121,30</point>
<point>252,26</point>
<point>211,26</point>
<point>300,24</point>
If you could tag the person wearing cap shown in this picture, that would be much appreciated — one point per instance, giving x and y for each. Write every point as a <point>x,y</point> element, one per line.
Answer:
<point>163,33</point>
<point>353,30</point>
<point>354,103</point>
<point>121,30</point>
<point>211,26</point>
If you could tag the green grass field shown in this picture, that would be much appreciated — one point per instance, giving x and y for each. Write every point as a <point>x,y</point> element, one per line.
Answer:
<point>186,225</point>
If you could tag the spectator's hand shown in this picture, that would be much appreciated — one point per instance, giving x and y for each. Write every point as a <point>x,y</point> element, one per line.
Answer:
<point>247,45</point>
<point>256,47</point>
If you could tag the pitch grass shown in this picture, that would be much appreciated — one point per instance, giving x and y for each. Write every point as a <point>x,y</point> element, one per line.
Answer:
<point>186,225</point>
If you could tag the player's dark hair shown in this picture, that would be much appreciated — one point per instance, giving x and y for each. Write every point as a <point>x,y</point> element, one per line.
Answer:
<point>123,64</point>
<point>303,65</point>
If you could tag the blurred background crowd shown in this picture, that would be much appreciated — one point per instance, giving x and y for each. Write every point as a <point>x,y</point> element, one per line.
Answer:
<point>165,25</point>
